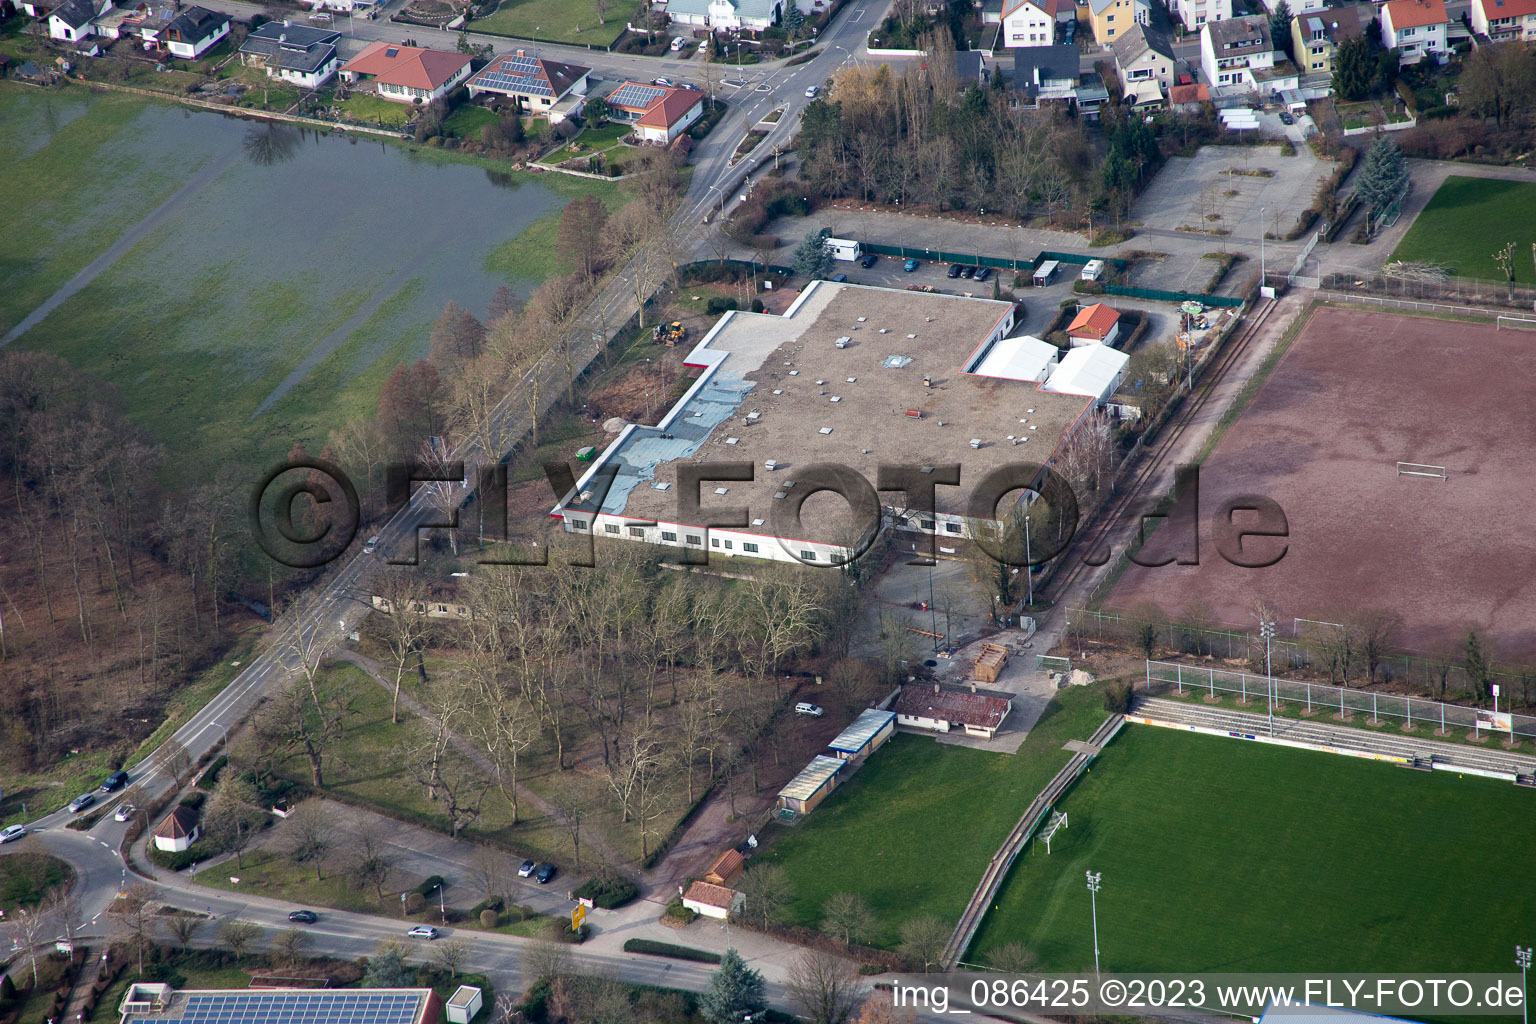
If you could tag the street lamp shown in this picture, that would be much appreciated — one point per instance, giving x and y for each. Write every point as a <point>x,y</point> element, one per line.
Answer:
<point>1267,631</point>
<point>1093,900</point>
<point>1261,245</point>
<point>1523,959</point>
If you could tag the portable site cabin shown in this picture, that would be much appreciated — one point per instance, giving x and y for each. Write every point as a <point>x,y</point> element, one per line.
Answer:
<point>990,662</point>
<point>843,248</point>
<point>1044,272</point>
<point>1092,270</point>
<point>464,1004</point>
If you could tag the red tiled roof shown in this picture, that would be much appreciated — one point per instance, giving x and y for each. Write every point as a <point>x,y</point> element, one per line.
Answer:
<point>1416,13</point>
<point>711,895</point>
<point>727,866</point>
<point>1189,93</point>
<point>1495,10</point>
<point>407,66</point>
<point>975,709</point>
<point>666,111</point>
<point>1094,321</point>
<point>178,824</point>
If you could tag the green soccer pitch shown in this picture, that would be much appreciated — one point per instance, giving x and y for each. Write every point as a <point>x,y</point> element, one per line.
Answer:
<point>1221,855</point>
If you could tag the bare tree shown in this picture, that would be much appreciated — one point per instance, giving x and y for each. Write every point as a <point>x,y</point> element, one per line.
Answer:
<point>545,959</point>
<point>232,815</point>
<point>825,987</point>
<point>848,914</point>
<point>239,936</point>
<point>30,924</point>
<point>1012,958</point>
<point>768,891</point>
<point>306,720</point>
<point>924,938</point>
<point>570,810</point>
<point>371,856</point>
<point>402,626</point>
<point>132,916</point>
<point>452,954</point>
<point>290,946</point>
<point>184,926</point>
<point>487,871</point>
<point>310,833</point>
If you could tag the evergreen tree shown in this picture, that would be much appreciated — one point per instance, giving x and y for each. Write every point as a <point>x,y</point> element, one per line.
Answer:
<point>812,260</point>
<point>385,970</point>
<point>1353,69</point>
<point>735,991</point>
<point>794,21</point>
<point>1280,29</point>
<point>1383,177</point>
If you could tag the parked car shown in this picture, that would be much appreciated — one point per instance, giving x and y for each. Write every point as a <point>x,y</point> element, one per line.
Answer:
<point>372,545</point>
<point>304,916</point>
<point>115,782</point>
<point>124,812</point>
<point>954,270</point>
<point>546,872</point>
<point>982,273</point>
<point>12,833</point>
<point>1286,118</point>
<point>812,92</point>
<point>807,708</point>
<point>967,272</point>
<point>81,802</point>
<point>869,260</point>
<point>528,868</point>
<point>678,44</point>
<point>703,45</point>
<point>910,266</point>
<point>665,83</point>
<point>423,931</point>
<point>839,278</point>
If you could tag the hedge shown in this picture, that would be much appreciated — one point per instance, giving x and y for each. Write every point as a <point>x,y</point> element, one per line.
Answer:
<point>194,800</point>
<point>607,892</point>
<point>655,948</point>
<point>432,882</point>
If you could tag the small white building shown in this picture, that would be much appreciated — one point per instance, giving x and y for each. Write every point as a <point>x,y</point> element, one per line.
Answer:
<point>301,54</point>
<point>178,831</point>
<point>1505,19</point>
<point>537,85</point>
<point>716,901</point>
<point>194,32</point>
<point>464,1004</point>
<point>1193,14</point>
<point>74,20</point>
<point>407,74</point>
<point>670,116</point>
<point>1238,56</point>
<point>1092,370</point>
<point>1029,22</point>
<point>942,708</point>
<point>1415,28</point>
<point>1022,358</point>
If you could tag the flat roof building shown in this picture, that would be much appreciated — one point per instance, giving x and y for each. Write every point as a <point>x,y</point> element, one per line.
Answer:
<point>853,375</point>
<point>161,1004</point>
<point>942,708</point>
<point>811,786</point>
<point>864,735</point>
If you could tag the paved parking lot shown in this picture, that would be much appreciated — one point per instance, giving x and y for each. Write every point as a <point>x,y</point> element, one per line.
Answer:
<point>1211,191</point>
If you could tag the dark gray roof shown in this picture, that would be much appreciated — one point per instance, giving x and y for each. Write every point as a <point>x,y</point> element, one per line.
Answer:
<point>195,24</point>
<point>968,65</point>
<point>1049,61</point>
<point>301,48</point>
<point>1137,40</point>
<point>1249,33</point>
<point>75,13</point>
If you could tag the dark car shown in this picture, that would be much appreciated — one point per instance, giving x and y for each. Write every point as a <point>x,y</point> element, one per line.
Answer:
<point>967,272</point>
<point>839,278</point>
<point>954,270</point>
<point>304,916</point>
<point>982,273</point>
<point>546,872</point>
<point>115,782</point>
<point>1286,118</point>
<point>869,261</point>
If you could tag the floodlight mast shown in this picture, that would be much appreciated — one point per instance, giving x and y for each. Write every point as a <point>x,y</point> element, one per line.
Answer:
<point>1267,631</point>
<point>1093,901</point>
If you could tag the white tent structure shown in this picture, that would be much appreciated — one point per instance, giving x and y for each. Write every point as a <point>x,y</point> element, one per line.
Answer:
<point>1092,370</point>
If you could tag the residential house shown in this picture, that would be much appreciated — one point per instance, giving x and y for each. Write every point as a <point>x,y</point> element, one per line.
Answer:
<point>1091,95</point>
<point>748,15</point>
<point>659,113</point>
<point>1414,28</point>
<point>74,20</point>
<point>1112,18</point>
<point>1315,38</point>
<point>39,9</point>
<point>1029,22</point>
<point>1094,325</point>
<point>1505,19</point>
<point>178,831</point>
<point>970,67</point>
<point>407,74</point>
<point>1238,56</point>
<point>1192,14</point>
<point>299,54</point>
<point>194,32</point>
<point>535,84</point>
<point>1046,73</point>
<point>442,602</point>
<point>944,708</point>
<point>1144,58</point>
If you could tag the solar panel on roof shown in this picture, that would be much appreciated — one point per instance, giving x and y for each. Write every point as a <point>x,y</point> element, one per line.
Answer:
<point>297,1008</point>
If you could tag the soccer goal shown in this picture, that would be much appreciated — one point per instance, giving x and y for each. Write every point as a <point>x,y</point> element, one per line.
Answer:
<point>1517,323</point>
<point>1421,469</point>
<point>1058,822</point>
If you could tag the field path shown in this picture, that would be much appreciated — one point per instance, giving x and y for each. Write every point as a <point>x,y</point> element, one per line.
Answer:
<point>132,237</point>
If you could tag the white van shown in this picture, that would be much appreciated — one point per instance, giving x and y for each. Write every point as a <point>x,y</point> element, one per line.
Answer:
<point>1092,270</point>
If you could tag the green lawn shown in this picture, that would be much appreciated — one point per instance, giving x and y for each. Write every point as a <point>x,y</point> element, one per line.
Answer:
<point>1219,855</point>
<point>914,828</point>
<point>25,879</point>
<point>467,120</point>
<point>569,21</point>
<point>371,109</point>
<point>1467,220</point>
